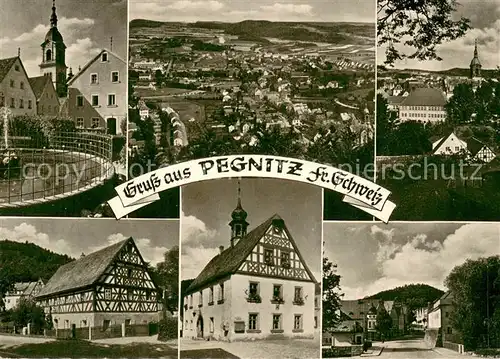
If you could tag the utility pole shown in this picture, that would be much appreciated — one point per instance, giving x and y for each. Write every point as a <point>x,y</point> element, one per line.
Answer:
<point>487,303</point>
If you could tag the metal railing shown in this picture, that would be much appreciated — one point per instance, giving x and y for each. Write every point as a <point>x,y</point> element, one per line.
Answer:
<point>35,168</point>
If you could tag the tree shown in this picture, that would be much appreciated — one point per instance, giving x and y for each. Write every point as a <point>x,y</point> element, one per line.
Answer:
<point>385,125</point>
<point>28,312</point>
<point>384,322</point>
<point>475,291</point>
<point>159,78</point>
<point>420,25</point>
<point>331,295</point>
<point>410,138</point>
<point>461,105</point>
<point>168,276</point>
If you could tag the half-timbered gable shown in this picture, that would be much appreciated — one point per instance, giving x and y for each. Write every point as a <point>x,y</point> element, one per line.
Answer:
<point>126,285</point>
<point>276,255</point>
<point>110,285</point>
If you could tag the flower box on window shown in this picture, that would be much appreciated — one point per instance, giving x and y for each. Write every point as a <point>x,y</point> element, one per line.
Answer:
<point>254,298</point>
<point>298,301</point>
<point>277,300</point>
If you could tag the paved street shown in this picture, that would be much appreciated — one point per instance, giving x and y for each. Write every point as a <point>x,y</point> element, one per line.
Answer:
<point>408,349</point>
<point>263,349</point>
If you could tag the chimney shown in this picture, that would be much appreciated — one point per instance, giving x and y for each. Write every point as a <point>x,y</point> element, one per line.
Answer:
<point>82,255</point>
<point>18,52</point>
<point>221,249</point>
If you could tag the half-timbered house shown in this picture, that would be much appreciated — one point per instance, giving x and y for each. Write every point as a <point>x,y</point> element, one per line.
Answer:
<point>258,288</point>
<point>109,287</point>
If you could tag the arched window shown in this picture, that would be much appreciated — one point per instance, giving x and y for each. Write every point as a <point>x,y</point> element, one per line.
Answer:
<point>48,55</point>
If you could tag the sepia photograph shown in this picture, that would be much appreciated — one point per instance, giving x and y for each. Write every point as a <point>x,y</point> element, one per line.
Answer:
<point>88,288</point>
<point>63,106</point>
<point>411,290</point>
<point>293,79</point>
<point>250,269</point>
<point>438,109</point>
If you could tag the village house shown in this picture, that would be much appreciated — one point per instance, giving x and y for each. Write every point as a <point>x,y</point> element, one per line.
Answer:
<point>110,287</point>
<point>25,290</point>
<point>258,288</point>
<point>15,90</point>
<point>97,93</point>
<point>439,319</point>
<point>451,144</point>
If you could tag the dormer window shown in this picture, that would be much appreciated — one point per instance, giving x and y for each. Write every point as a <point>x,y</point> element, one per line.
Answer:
<point>104,57</point>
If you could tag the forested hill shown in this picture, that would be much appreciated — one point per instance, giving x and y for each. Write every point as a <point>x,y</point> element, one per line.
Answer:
<point>414,295</point>
<point>23,262</point>
<point>260,30</point>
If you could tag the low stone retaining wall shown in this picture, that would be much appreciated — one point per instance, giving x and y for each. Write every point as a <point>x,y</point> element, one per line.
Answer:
<point>86,333</point>
<point>341,352</point>
<point>459,348</point>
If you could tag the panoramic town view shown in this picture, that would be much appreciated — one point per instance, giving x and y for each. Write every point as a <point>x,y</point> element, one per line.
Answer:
<point>438,119</point>
<point>294,88</point>
<point>412,290</point>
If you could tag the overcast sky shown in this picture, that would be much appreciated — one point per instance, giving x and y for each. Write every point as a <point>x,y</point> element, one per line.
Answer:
<point>485,20</point>
<point>86,27</point>
<point>372,257</point>
<point>76,236</point>
<point>238,10</point>
<point>207,208</point>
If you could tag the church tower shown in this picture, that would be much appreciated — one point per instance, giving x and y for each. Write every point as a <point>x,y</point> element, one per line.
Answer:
<point>53,55</point>
<point>238,224</point>
<point>475,65</point>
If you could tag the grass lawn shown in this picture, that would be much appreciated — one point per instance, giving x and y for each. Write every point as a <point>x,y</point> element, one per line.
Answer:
<point>84,349</point>
<point>207,353</point>
<point>439,199</point>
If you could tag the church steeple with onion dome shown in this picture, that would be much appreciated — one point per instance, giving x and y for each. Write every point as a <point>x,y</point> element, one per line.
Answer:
<point>54,55</point>
<point>238,223</point>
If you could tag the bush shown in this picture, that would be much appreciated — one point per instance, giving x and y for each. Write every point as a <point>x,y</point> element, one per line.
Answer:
<point>39,129</point>
<point>491,352</point>
<point>167,329</point>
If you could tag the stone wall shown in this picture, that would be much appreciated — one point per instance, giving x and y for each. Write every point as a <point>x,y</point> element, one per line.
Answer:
<point>431,337</point>
<point>340,352</point>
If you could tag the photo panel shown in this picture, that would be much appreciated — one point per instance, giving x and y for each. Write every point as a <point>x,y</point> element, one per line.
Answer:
<point>250,269</point>
<point>410,289</point>
<point>438,108</point>
<point>256,78</point>
<point>89,288</point>
<point>63,86</point>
